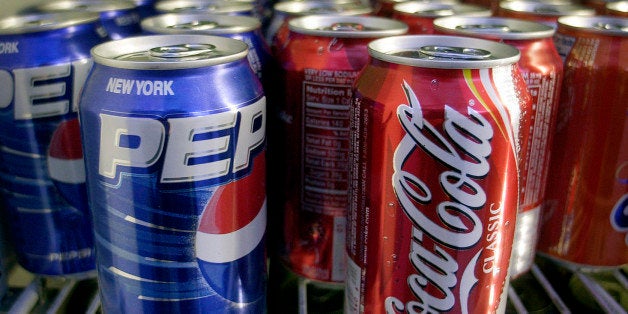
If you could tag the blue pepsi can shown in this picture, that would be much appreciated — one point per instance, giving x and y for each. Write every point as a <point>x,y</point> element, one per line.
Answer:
<point>174,133</point>
<point>244,28</point>
<point>120,18</point>
<point>44,61</point>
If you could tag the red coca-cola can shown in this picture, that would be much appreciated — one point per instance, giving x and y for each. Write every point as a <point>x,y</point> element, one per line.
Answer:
<point>618,8</point>
<point>542,12</point>
<point>433,203</point>
<point>586,213</point>
<point>322,58</point>
<point>542,69</point>
<point>385,7</point>
<point>420,16</point>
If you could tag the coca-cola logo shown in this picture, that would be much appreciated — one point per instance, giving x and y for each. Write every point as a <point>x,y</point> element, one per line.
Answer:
<point>464,146</point>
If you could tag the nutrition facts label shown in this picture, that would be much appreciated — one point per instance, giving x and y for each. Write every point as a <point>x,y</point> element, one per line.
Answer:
<point>325,170</point>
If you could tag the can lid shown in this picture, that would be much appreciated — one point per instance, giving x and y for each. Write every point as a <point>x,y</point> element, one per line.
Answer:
<point>204,6</point>
<point>38,22</point>
<point>546,9</point>
<point>169,52</point>
<point>443,52</point>
<point>605,25</point>
<point>427,9</point>
<point>493,27</point>
<point>211,24</point>
<point>343,26</point>
<point>303,8</point>
<point>86,5</point>
<point>618,6</point>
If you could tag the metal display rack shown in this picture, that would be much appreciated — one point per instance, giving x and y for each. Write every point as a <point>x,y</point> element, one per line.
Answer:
<point>546,288</point>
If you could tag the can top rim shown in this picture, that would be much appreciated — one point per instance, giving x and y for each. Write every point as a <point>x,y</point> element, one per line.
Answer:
<point>439,9</point>
<point>39,22</point>
<point>493,27</point>
<point>217,24</point>
<point>409,50</point>
<point>605,25</point>
<point>619,6</point>
<point>302,8</point>
<point>87,5</point>
<point>201,6</point>
<point>344,26</point>
<point>214,50</point>
<point>546,8</point>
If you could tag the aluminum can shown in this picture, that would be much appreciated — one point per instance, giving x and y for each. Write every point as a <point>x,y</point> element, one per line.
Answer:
<point>243,7</point>
<point>542,12</point>
<point>619,8</point>
<point>585,220</point>
<point>145,8</point>
<point>420,16</point>
<point>542,70</point>
<point>322,57</point>
<point>44,60</point>
<point>384,8</point>
<point>120,18</point>
<point>278,29</point>
<point>244,28</point>
<point>176,175</point>
<point>433,158</point>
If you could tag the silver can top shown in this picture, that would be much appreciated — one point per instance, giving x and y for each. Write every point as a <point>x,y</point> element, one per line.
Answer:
<point>303,8</point>
<point>211,24</point>
<point>169,52</point>
<point>493,27</point>
<point>427,9</point>
<point>605,25</point>
<point>546,8</point>
<point>617,6</point>
<point>347,26</point>
<point>87,5</point>
<point>205,6</point>
<point>37,22</point>
<point>443,52</point>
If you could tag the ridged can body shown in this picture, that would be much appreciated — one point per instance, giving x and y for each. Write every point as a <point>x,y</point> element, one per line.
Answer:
<point>323,55</point>
<point>44,61</point>
<point>420,16</point>
<point>176,175</point>
<point>542,70</point>
<point>120,19</point>
<point>434,181</point>
<point>585,221</point>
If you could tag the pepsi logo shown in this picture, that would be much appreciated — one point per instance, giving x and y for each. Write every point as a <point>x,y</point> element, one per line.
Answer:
<point>229,238</point>
<point>619,215</point>
<point>65,163</point>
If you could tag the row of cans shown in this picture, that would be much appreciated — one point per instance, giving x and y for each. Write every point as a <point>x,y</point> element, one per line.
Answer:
<point>179,224</point>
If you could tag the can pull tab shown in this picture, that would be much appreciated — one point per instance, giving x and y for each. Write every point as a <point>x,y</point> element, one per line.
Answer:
<point>546,10</point>
<point>611,27</point>
<point>445,52</point>
<point>487,28</point>
<point>38,23</point>
<point>196,25</point>
<point>347,27</point>
<point>436,12</point>
<point>181,51</point>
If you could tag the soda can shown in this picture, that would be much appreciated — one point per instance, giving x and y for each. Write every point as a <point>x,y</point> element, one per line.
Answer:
<point>619,8</point>
<point>244,28</point>
<point>241,7</point>
<point>283,12</point>
<point>433,202</point>
<point>384,8</point>
<point>176,175</point>
<point>542,69</point>
<point>323,55</point>
<point>542,12</point>
<point>120,18</point>
<point>585,222</point>
<point>44,61</point>
<point>145,8</point>
<point>420,16</point>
